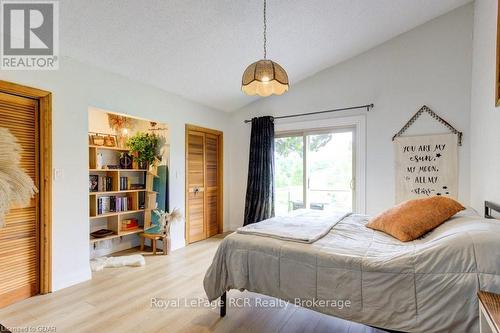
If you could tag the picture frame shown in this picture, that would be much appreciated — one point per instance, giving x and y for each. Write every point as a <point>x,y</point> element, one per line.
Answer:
<point>97,139</point>
<point>103,140</point>
<point>93,183</point>
<point>497,77</point>
<point>110,141</point>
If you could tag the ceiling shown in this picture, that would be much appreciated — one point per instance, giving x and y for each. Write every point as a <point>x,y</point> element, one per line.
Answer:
<point>199,49</point>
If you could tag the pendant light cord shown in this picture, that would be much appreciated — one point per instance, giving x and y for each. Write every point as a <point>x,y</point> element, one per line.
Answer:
<point>265,31</point>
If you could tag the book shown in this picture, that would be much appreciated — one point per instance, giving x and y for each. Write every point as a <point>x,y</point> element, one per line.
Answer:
<point>105,205</point>
<point>119,204</point>
<point>99,206</point>
<point>129,224</point>
<point>109,183</point>
<point>123,183</point>
<point>100,187</point>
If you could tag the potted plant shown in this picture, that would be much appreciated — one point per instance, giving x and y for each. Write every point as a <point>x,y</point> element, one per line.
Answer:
<point>144,147</point>
<point>163,225</point>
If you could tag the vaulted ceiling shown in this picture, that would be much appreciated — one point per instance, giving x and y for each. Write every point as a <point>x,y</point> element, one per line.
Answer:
<point>199,49</point>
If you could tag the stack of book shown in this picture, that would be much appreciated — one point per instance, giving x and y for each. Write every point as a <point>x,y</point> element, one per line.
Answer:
<point>129,224</point>
<point>103,205</point>
<point>123,183</point>
<point>122,204</point>
<point>113,204</point>
<point>100,183</point>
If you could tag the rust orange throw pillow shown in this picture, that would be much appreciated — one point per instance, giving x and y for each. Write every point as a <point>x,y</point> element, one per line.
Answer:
<point>413,218</point>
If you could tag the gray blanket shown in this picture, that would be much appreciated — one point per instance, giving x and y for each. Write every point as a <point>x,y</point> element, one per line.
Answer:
<point>428,285</point>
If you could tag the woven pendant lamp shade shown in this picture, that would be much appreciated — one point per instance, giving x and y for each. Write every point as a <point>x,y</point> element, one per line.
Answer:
<point>264,78</point>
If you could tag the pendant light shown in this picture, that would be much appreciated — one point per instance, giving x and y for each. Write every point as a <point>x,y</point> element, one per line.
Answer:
<point>264,77</point>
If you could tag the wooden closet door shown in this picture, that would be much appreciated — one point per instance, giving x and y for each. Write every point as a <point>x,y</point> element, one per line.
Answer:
<point>19,248</point>
<point>211,184</point>
<point>195,186</point>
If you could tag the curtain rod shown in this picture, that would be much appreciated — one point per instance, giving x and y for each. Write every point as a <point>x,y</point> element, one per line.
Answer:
<point>367,107</point>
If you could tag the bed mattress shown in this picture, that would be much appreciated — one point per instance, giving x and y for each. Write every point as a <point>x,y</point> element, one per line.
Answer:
<point>427,285</point>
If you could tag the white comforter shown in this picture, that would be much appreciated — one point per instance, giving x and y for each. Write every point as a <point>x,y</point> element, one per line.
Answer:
<point>428,285</point>
<point>303,225</point>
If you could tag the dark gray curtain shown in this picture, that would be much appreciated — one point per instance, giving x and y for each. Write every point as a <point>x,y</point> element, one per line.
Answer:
<point>259,203</point>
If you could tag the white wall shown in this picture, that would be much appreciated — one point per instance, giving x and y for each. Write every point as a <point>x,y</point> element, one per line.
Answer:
<point>428,65</point>
<point>75,88</point>
<point>485,118</point>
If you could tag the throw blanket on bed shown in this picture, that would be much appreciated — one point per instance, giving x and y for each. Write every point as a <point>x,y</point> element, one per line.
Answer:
<point>303,226</point>
<point>427,285</point>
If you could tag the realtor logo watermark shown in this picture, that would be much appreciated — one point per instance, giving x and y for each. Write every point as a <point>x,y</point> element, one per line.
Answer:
<point>29,35</point>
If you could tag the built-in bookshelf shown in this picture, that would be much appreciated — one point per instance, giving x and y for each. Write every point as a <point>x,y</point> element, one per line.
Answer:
<point>115,201</point>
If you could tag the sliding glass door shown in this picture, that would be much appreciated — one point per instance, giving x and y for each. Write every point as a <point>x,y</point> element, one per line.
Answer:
<point>289,173</point>
<point>315,169</point>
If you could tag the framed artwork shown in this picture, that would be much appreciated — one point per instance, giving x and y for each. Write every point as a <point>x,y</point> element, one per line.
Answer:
<point>497,77</point>
<point>106,140</point>
<point>93,183</point>
<point>110,141</point>
<point>96,139</point>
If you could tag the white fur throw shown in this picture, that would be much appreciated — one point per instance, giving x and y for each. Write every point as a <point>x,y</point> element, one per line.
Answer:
<point>135,260</point>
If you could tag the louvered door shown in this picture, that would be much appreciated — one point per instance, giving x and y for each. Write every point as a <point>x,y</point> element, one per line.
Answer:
<point>203,183</point>
<point>196,186</point>
<point>19,247</point>
<point>211,184</point>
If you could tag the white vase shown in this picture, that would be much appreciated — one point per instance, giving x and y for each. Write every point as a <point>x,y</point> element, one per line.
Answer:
<point>99,161</point>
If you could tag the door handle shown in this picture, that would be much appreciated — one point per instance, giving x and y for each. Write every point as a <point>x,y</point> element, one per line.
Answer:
<point>196,190</point>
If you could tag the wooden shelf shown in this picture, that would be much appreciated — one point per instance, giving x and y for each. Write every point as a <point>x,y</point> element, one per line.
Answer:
<point>121,234</point>
<point>113,220</point>
<point>117,214</point>
<point>109,148</point>
<point>152,174</point>
<point>118,192</point>
<point>118,170</point>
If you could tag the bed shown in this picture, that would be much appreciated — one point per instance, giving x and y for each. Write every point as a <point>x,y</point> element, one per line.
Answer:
<point>427,285</point>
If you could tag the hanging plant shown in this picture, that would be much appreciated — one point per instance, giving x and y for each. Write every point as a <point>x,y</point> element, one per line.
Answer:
<point>15,185</point>
<point>144,147</point>
<point>117,123</point>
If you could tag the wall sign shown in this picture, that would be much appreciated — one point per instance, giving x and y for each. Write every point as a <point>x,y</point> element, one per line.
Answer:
<point>426,166</point>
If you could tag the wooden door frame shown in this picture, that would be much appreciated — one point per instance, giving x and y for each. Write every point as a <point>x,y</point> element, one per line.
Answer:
<point>44,99</point>
<point>497,77</point>
<point>220,176</point>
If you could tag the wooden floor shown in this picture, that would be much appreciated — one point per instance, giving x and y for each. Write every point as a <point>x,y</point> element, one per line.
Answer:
<point>120,300</point>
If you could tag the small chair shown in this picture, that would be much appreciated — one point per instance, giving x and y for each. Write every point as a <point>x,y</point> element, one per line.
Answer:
<point>154,238</point>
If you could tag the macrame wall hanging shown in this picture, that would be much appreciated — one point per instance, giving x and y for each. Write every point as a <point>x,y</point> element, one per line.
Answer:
<point>16,187</point>
<point>426,165</point>
<point>423,109</point>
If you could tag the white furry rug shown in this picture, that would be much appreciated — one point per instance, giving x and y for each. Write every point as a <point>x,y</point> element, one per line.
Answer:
<point>135,260</point>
